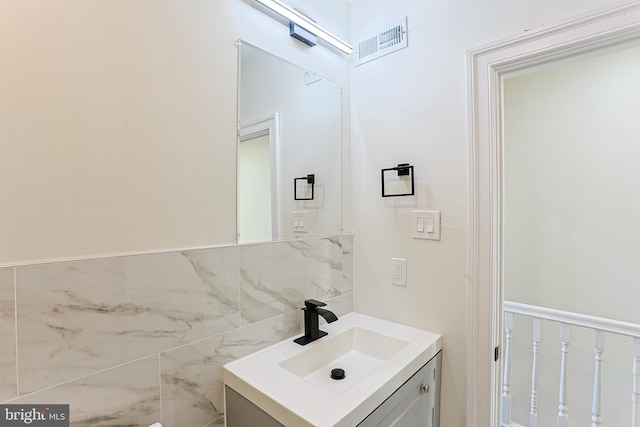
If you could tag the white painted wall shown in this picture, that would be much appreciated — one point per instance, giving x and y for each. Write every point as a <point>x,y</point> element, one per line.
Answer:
<point>411,106</point>
<point>572,177</point>
<point>118,120</point>
<point>310,137</point>
<point>571,210</point>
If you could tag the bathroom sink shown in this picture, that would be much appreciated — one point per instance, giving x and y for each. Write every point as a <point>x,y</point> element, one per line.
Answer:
<point>357,351</point>
<point>294,384</point>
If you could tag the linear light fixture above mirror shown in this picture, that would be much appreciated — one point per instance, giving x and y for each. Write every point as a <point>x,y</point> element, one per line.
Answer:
<point>299,19</point>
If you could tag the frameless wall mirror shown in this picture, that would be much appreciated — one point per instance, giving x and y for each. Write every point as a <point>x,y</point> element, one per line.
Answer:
<point>289,126</point>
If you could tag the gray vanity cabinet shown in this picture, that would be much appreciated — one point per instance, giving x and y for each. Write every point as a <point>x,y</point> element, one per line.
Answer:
<point>240,412</point>
<point>415,404</point>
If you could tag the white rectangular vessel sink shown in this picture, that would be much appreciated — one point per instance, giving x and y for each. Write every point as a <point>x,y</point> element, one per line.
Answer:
<point>293,383</point>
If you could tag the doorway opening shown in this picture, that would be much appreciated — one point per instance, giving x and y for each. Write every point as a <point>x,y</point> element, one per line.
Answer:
<point>591,34</point>
<point>570,251</point>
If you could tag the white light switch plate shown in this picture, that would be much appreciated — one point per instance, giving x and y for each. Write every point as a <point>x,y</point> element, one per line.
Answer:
<point>300,222</point>
<point>425,225</point>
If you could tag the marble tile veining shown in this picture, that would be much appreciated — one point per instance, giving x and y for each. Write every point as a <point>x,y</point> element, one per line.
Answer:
<point>340,305</point>
<point>128,395</point>
<point>75,318</point>
<point>218,422</point>
<point>192,389</point>
<point>277,277</point>
<point>8,383</point>
<point>347,263</point>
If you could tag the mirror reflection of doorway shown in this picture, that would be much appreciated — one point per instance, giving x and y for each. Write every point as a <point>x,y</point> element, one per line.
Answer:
<point>257,181</point>
<point>254,219</point>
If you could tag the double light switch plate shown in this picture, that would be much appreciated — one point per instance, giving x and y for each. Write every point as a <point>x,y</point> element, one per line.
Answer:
<point>425,225</point>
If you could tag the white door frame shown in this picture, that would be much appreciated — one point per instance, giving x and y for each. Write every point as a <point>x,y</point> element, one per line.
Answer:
<point>612,28</point>
<point>268,126</point>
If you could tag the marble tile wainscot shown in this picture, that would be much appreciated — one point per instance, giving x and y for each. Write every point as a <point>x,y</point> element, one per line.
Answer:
<point>137,339</point>
<point>8,379</point>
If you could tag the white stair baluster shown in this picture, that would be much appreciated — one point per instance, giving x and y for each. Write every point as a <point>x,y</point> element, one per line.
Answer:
<point>596,417</point>
<point>566,320</point>
<point>533,415</point>
<point>635,395</point>
<point>565,339</point>
<point>506,388</point>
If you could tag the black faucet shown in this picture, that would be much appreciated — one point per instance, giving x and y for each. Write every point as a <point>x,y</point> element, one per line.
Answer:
<point>311,322</point>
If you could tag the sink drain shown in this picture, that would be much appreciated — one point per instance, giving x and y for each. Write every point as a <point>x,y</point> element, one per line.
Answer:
<point>337,374</point>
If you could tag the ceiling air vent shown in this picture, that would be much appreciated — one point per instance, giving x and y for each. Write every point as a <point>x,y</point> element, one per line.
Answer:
<point>390,39</point>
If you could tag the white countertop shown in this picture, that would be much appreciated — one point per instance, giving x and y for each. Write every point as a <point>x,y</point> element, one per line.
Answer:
<point>295,401</point>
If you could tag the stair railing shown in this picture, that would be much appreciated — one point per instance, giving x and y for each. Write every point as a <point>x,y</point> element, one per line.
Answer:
<point>600,326</point>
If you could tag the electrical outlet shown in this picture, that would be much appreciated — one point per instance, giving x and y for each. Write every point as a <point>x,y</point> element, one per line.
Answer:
<point>399,271</point>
